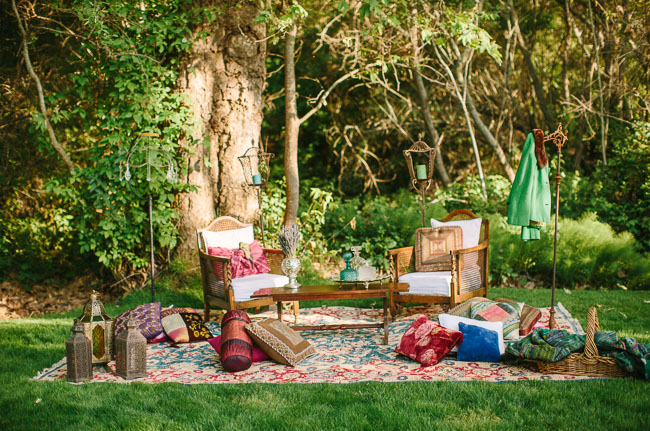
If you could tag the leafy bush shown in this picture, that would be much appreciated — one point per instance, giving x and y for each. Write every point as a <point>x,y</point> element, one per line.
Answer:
<point>619,192</point>
<point>590,254</point>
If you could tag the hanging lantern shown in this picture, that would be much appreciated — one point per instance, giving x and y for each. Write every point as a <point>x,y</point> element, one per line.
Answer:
<point>98,328</point>
<point>78,355</point>
<point>420,169</point>
<point>255,163</point>
<point>131,352</point>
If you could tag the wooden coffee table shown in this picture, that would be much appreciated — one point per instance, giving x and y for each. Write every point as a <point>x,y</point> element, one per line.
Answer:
<point>331,292</point>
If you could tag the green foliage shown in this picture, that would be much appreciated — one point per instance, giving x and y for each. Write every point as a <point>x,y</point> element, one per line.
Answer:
<point>378,224</point>
<point>467,194</point>
<point>121,84</point>
<point>590,254</point>
<point>619,192</point>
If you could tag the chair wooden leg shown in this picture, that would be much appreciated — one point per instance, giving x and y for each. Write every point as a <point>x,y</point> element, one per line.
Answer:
<point>206,311</point>
<point>296,310</point>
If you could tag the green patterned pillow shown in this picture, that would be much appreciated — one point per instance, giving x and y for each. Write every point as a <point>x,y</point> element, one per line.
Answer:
<point>504,312</point>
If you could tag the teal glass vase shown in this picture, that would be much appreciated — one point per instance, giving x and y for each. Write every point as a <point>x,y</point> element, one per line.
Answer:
<point>348,274</point>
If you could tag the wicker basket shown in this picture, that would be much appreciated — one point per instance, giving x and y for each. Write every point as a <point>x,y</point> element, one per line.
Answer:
<point>587,363</point>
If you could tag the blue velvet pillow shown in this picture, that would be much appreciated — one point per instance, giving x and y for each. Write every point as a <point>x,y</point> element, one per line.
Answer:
<point>479,344</point>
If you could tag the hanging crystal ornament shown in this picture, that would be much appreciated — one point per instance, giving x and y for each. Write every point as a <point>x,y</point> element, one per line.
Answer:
<point>171,172</point>
<point>127,174</point>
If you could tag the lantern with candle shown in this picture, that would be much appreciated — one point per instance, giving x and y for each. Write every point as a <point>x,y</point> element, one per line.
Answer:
<point>255,163</point>
<point>419,160</point>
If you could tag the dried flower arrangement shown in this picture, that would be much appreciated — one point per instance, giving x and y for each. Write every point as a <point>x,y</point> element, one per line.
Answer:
<point>289,237</point>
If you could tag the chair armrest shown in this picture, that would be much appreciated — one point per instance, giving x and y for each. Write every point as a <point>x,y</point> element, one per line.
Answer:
<point>482,246</point>
<point>274,257</point>
<point>215,274</point>
<point>401,262</point>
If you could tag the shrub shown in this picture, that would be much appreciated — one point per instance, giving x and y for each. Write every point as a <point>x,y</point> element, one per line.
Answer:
<point>590,254</point>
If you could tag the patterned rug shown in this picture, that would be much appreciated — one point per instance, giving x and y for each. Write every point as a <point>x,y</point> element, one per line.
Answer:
<point>348,356</point>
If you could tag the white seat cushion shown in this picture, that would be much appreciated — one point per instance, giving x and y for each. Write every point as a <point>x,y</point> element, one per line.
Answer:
<point>471,229</point>
<point>436,283</point>
<point>244,287</point>
<point>228,238</point>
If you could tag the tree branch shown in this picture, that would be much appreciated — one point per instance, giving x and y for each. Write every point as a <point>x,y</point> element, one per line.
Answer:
<point>41,98</point>
<point>322,97</point>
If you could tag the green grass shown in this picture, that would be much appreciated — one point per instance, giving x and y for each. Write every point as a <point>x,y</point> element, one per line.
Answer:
<point>29,345</point>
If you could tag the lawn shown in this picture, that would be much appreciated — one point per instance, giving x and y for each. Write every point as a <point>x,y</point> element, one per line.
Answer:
<point>29,345</point>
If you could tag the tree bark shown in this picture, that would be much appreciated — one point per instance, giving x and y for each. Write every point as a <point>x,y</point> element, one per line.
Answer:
<point>224,80</point>
<point>292,128</point>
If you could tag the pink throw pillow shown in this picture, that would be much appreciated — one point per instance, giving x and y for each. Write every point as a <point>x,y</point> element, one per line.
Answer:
<point>427,342</point>
<point>239,265</point>
<point>258,354</point>
<point>259,259</point>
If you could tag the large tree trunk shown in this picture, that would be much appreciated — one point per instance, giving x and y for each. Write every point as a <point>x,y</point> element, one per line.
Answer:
<point>292,128</point>
<point>224,79</point>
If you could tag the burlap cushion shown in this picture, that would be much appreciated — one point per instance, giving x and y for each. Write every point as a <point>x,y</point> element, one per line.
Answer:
<point>432,247</point>
<point>280,342</point>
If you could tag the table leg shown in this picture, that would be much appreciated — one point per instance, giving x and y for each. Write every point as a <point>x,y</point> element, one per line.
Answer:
<point>385,321</point>
<point>279,310</point>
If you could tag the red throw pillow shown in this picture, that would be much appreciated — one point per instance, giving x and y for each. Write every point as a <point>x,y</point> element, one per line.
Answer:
<point>427,342</point>
<point>259,260</point>
<point>239,265</point>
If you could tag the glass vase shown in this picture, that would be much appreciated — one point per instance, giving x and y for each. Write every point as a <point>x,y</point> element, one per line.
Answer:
<point>291,268</point>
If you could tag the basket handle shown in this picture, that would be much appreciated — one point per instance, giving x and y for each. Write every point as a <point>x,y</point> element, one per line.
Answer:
<point>591,350</point>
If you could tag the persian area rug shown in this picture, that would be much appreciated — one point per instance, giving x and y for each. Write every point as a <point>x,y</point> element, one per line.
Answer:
<point>347,356</point>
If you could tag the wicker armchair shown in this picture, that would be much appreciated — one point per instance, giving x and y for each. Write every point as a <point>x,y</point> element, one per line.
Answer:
<point>467,276</point>
<point>219,289</point>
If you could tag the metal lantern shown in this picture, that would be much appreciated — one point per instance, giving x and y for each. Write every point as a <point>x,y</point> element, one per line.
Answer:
<point>78,353</point>
<point>131,352</point>
<point>420,169</point>
<point>147,151</point>
<point>255,163</point>
<point>98,328</point>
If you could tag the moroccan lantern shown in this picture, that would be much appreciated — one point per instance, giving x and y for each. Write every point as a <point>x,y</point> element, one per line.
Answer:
<point>419,160</point>
<point>78,355</point>
<point>131,352</point>
<point>98,328</point>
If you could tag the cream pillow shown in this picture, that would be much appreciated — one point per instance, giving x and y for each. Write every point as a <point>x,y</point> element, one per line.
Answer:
<point>471,229</point>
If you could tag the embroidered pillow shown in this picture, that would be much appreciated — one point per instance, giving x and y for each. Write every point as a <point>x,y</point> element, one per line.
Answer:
<point>239,265</point>
<point>185,327</point>
<point>427,342</point>
<point>280,342</point>
<point>432,247</point>
<point>147,317</point>
<point>529,317</point>
<point>260,263</point>
<point>479,344</point>
<point>463,309</point>
<point>504,312</point>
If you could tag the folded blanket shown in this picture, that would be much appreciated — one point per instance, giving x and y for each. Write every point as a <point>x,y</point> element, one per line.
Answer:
<point>547,345</point>
<point>628,353</point>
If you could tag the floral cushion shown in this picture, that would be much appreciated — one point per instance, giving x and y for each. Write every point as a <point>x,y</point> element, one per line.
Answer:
<point>427,342</point>
<point>147,317</point>
<point>508,313</point>
<point>184,327</point>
